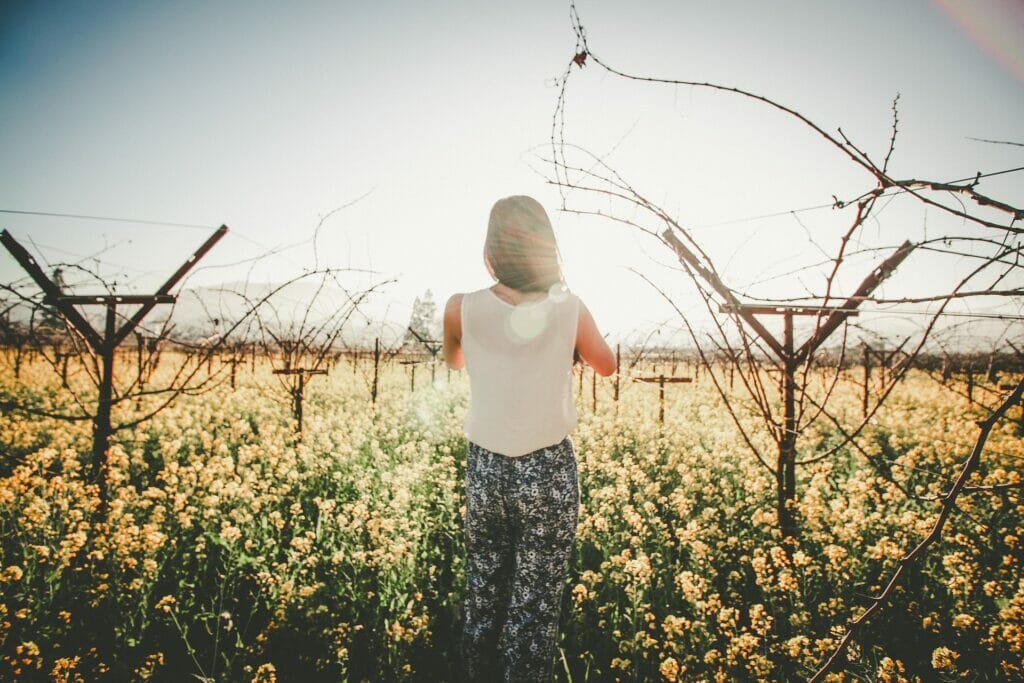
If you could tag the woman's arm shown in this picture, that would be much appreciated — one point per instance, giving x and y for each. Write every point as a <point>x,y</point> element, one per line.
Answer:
<point>591,345</point>
<point>452,343</point>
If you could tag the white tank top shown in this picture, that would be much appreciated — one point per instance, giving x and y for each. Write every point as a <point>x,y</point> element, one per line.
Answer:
<point>519,360</point>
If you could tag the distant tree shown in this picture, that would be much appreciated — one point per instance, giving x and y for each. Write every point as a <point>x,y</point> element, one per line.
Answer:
<point>423,325</point>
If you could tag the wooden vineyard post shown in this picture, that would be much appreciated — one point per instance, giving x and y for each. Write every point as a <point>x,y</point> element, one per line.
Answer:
<point>867,381</point>
<point>139,343</point>
<point>376,369</point>
<point>105,345</point>
<point>412,372</point>
<point>233,361</point>
<point>785,469</point>
<point>618,359</point>
<point>662,380</point>
<point>298,389</point>
<point>434,347</point>
<point>787,465</point>
<point>791,358</point>
<point>64,358</point>
<point>64,371</point>
<point>886,359</point>
<point>992,372</point>
<point>101,427</point>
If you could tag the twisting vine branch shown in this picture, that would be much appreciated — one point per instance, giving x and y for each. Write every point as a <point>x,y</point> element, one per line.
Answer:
<point>738,336</point>
<point>948,503</point>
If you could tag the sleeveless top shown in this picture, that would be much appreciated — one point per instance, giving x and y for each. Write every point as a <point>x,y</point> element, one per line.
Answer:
<point>519,360</point>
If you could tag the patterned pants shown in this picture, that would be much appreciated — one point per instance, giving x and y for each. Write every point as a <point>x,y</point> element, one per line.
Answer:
<point>521,515</point>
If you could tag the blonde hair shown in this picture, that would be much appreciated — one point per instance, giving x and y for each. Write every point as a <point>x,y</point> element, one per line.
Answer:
<point>520,245</point>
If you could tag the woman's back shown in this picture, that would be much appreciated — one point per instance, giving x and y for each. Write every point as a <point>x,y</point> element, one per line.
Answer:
<point>522,489</point>
<point>519,359</point>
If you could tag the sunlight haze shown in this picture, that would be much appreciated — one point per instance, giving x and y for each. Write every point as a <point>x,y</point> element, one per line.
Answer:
<point>268,116</point>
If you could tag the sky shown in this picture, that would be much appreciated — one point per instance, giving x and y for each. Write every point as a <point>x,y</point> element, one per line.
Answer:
<point>398,124</point>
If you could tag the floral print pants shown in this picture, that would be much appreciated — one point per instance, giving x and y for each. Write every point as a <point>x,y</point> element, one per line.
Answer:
<point>520,524</point>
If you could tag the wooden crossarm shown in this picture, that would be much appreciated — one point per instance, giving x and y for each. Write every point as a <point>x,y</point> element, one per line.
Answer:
<point>664,380</point>
<point>51,291</point>
<point>760,309</point>
<point>113,299</point>
<point>432,344</point>
<point>709,276</point>
<point>875,278</point>
<point>147,306</point>
<point>300,371</point>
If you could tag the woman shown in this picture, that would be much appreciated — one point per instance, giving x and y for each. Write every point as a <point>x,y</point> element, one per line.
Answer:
<point>517,340</point>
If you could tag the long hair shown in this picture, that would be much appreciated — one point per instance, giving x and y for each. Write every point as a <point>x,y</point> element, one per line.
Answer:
<point>520,245</point>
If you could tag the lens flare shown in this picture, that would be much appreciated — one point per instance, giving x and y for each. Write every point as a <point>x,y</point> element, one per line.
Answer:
<point>996,26</point>
<point>558,292</point>
<point>527,321</point>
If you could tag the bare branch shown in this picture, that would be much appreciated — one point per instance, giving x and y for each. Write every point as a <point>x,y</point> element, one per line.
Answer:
<point>948,502</point>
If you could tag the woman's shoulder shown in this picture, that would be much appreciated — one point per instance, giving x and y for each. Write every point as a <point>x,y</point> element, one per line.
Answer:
<point>573,300</point>
<point>454,302</point>
<point>453,307</point>
<point>453,314</point>
<point>458,296</point>
<point>456,299</point>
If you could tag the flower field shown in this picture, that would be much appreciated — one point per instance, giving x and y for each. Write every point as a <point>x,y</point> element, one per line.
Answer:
<point>233,550</point>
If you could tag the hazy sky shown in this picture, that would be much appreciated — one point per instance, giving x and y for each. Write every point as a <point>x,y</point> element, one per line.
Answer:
<point>267,116</point>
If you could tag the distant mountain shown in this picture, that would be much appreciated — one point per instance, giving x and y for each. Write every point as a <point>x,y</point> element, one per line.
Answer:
<point>201,312</point>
